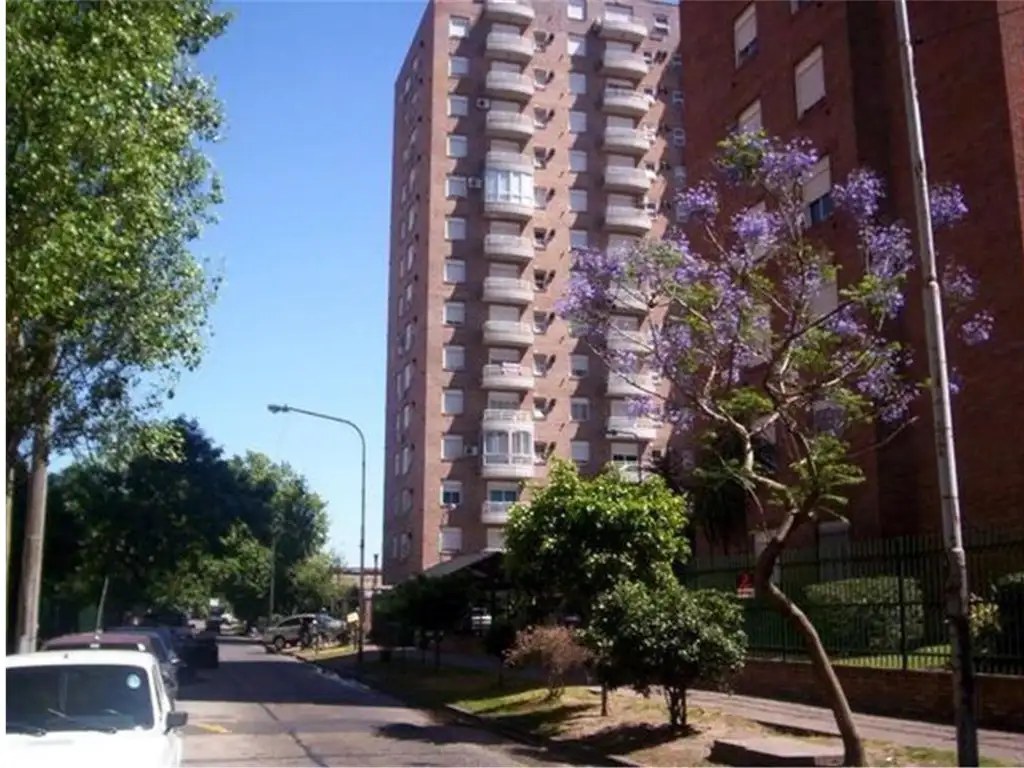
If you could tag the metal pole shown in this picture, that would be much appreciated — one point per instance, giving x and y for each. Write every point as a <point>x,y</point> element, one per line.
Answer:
<point>957,595</point>
<point>31,588</point>
<point>362,512</point>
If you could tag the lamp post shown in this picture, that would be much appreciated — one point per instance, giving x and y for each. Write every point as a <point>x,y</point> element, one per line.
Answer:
<point>362,512</point>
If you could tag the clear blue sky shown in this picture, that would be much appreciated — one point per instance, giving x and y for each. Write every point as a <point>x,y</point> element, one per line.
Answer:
<point>304,242</point>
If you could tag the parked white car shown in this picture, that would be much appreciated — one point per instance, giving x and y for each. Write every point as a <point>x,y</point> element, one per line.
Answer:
<point>79,707</point>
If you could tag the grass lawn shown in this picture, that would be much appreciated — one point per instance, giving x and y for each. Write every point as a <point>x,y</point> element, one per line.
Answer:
<point>928,657</point>
<point>324,654</point>
<point>635,727</point>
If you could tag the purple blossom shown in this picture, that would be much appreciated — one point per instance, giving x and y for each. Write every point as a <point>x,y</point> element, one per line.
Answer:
<point>697,202</point>
<point>978,329</point>
<point>860,195</point>
<point>947,205</point>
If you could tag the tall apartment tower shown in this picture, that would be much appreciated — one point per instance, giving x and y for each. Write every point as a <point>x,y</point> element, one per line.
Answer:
<point>522,130</point>
<point>830,71</point>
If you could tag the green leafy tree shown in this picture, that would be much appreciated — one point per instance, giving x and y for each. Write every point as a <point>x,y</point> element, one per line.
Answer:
<point>432,606</point>
<point>579,537</point>
<point>667,637</point>
<point>242,574</point>
<point>312,582</point>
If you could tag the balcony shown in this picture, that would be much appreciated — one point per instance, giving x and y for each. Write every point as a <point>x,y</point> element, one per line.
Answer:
<point>620,340</point>
<point>510,247</point>
<point>508,125</point>
<point>513,377</point>
<point>509,161</point>
<point>508,47</point>
<point>508,332</point>
<point>507,466</point>
<point>628,141</point>
<point>513,86</point>
<point>633,181</point>
<point>495,512</point>
<point>631,471</point>
<point>508,290</point>
<point>509,12</point>
<point>626,299</point>
<point>633,428</point>
<point>498,419</point>
<point>624,64</point>
<point>622,30</point>
<point>626,103</point>
<point>621,218</point>
<point>632,384</point>
<point>516,210</point>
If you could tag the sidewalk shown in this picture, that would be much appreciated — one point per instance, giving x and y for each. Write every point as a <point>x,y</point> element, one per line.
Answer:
<point>997,745</point>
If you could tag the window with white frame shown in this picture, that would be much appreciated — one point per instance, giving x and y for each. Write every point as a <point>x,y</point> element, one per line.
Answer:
<point>455,228</point>
<point>577,10</point>
<point>450,540</point>
<point>577,45</point>
<point>541,364</point>
<point>577,83</point>
<point>578,200</point>
<point>458,106</point>
<point>453,357</point>
<point>451,447</point>
<point>454,313</point>
<point>495,539</point>
<point>502,185</point>
<point>458,66</point>
<point>453,402</point>
<point>451,493</point>
<point>578,238</point>
<point>809,77</point>
<point>458,146</point>
<point>455,186</point>
<point>454,271</point>
<point>580,451</point>
<point>750,119</point>
<point>540,198</point>
<point>406,459</point>
<point>579,409</point>
<point>744,34</point>
<point>504,447</point>
<point>826,300</point>
<point>577,122</point>
<point>577,160</point>
<point>458,26</point>
<point>818,192</point>
<point>579,366</point>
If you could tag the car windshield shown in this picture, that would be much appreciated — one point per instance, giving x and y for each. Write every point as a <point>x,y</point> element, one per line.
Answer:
<point>78,697</point>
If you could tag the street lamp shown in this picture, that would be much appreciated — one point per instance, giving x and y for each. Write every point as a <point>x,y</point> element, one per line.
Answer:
<point>362,512</point>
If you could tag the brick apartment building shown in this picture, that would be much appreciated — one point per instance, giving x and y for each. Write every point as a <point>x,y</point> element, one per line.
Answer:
<point>521,130</point>
<point>830,71</point>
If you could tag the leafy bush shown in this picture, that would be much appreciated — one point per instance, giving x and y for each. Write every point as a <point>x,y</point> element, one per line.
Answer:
<point>857,616</point>
<point>499,639</point>
<point>555,649</point>
<point>1010,599</point>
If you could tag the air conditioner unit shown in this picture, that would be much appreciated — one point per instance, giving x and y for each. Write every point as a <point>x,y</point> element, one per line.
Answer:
<point>475,182</point>
<point>472,450</point>
<point>483,103</point>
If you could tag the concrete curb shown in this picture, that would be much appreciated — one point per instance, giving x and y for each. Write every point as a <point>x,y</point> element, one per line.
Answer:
<point>575,753</point>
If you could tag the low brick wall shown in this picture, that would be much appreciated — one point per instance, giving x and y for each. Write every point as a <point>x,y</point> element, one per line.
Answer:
<point>911,694</point>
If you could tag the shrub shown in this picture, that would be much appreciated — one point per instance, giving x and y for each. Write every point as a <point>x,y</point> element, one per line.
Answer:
<point>857,616</point>
<point>554,649</point>
<point>1010,599</point>
<point>499,639</point>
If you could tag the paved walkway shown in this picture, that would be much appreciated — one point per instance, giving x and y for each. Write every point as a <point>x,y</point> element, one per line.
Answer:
<point>998,745</point>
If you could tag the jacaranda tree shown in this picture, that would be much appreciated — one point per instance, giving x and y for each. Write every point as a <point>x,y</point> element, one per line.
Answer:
<point>760,328</point>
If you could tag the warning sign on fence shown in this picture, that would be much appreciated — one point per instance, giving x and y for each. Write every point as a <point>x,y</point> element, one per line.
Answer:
<point>745,585</point>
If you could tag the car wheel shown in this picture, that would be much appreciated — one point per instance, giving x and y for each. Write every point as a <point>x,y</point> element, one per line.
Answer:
<point>279,644</point>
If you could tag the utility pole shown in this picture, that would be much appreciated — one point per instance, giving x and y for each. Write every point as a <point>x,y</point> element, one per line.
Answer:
<point>31,588</point>
<point>957,595</point>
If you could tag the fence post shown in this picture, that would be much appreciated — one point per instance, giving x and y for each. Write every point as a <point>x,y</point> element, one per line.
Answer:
<point>901,577</point>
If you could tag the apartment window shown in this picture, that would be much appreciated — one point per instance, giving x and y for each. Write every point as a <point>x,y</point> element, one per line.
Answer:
<point>541,364</point>
<point>508,186</point>
<point>458,66</point>
<point>579,409</point>
<point>541,77</point>
<point>540,117</point>
<point>818,192</point>
<point>577,10</point>
<point>455,186</point>
<point>750,118</point>
<point>578,238</point>
<point>451,447</point>
<point>541,407</point>
<point>453,357</point>
<point>454,271</point>
<point>577,45</point>
<point>540,322</point>
<point>458,106</point>
<point>678,137</point>
<point>450,540</point>
<point>577,161</point>
<point>662,25</point>
<point>451,493</point>
<point>579,366</point>
<point>826,300</point>
<point>458,146</point>
<point>454,313</point>
<point>744,34</point>
<point>580,451</point>
<point>679,174</point>
<point>453,402</point>
<point>677,98</point>
<point>577,122</point>
<point>796,5</point>
<point>495,539</point>
<point>455,228</point>
<point>578,200</point>
<point>810,81</point>
<point>458,26</point>
<point>577,83</point>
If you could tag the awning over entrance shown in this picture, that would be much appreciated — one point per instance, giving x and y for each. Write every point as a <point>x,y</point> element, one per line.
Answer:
<point>488,567</point>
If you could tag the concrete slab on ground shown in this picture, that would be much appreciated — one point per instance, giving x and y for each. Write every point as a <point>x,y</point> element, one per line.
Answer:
<point>774,751</point>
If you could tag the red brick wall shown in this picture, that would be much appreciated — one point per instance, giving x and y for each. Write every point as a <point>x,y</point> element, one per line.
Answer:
<point>915,695</point>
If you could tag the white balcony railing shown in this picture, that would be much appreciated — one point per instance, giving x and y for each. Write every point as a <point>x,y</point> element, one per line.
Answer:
<point>515,376</point>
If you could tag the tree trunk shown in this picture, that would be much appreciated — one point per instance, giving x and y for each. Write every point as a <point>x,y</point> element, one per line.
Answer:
<point>853,748</point>
<point>676,701</point>
<point>31,589</point>
<point>604,700</point>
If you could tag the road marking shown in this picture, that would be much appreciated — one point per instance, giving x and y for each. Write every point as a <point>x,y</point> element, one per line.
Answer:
<point>212,727</point>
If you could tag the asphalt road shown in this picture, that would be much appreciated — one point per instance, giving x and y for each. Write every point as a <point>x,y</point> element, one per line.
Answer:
<point>260,709</point>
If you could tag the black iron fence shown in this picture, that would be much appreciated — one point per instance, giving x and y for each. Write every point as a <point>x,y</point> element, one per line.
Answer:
<point>879,603</point>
